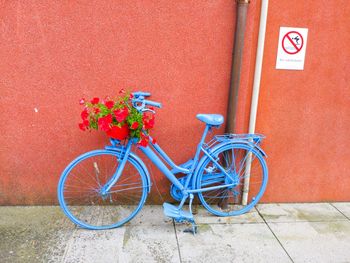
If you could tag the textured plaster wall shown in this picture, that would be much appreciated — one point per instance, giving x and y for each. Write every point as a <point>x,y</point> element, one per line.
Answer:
<point>306,114</point>
<point>54,53</point>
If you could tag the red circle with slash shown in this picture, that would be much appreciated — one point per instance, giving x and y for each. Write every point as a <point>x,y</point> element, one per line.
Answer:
<point>288,40</point>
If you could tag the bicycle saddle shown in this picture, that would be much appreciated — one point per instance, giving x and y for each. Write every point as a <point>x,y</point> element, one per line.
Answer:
<point>211,119</point>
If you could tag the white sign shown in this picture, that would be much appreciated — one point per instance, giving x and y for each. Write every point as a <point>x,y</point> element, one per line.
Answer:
<point>291,48</point>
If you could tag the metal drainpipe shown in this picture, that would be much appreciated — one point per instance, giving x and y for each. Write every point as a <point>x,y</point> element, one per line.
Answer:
<point>256,88</point>
<point>242,8</point>
<point>241,17</point>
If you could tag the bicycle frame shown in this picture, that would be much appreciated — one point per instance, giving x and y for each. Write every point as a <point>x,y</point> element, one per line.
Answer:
<point>153,148</point>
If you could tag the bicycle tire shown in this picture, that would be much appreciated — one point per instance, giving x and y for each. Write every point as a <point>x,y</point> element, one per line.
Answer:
<point>228,201</point>
<point>80,182</point>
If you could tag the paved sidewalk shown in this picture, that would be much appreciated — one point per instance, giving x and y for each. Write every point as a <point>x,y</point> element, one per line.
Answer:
<point>318,232</point>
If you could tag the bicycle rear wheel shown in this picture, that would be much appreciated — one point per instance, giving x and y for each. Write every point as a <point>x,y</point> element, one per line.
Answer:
<point>235,159</point>
<point>80,184</point>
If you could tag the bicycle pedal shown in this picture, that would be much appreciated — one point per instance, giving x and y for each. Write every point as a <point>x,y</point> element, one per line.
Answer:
<point>178,215</point>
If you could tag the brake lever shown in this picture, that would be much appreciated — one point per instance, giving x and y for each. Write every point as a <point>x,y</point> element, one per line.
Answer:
<point>146,109</point>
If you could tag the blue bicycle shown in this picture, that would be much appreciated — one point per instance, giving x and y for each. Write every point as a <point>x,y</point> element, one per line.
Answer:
<point>106,188</point>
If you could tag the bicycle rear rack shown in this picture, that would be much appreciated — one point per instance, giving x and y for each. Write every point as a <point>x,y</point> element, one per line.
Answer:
<point>253,138</point>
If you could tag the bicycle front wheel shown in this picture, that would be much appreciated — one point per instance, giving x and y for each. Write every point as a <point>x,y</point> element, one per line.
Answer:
<point>242,163</point>
<point>79,190</point>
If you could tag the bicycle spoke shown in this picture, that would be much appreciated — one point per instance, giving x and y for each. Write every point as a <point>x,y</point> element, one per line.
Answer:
<point>89,174</point>
<point>81,181</point>
<point>126,189</point>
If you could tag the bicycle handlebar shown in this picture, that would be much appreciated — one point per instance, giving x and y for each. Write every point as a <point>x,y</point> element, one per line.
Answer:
<point>141,93</point>
<point>153,103</point>
<point>139,101</point>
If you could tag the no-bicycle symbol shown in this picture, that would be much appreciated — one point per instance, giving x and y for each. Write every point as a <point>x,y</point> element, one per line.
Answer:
<point>292,42</point>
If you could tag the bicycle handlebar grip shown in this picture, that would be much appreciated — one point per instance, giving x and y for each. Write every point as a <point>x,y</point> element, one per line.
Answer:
<point>153,103</point>
<point>141,93</point>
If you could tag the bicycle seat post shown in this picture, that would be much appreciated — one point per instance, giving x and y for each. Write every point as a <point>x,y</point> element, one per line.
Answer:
<point>205,132</point>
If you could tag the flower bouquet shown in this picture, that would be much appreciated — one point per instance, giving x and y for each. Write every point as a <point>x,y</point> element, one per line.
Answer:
<point>117,117</point>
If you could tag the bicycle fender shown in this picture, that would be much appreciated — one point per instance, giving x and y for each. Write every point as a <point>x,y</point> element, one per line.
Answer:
<point>137,159</point>
<point>220,145</point>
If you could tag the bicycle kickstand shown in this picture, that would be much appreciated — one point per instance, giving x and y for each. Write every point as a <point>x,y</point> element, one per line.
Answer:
<point>194,227</point>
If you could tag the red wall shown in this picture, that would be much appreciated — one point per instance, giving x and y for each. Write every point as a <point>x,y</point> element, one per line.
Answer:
<point>54,53</point>
<point>306,114</point>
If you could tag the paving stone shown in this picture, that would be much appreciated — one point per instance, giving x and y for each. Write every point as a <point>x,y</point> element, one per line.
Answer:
<point>298,212</point>
<point>95,246</point>
<point>202,216</point>
<point>230,243</point>
<point>149,236</point>
<point>124,244</point>
<point>344,207</point>
<point>33,234</point>
<point>315,241</point>
<point>150,244</point>
<point>151,215</point>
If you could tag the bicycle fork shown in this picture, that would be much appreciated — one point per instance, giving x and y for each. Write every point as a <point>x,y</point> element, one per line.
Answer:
<point>124,157</point>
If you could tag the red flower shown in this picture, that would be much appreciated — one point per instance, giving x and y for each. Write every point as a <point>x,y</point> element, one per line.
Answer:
<point>144,140</point>
<point>95,100</point>
<point>148,122</point>
<point>97,110</point>
<point>131,96</point>
<point>109,104</point>
<point>134,125</point>
<point>104,122</point>
<point>119,133</point>
<point>122,91</point>
<point>154,141</point>
<point>82,126</point>
<point>84,114</point>
<point>86,123</point>
<point>121,114</point>
<point>82,101</point>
